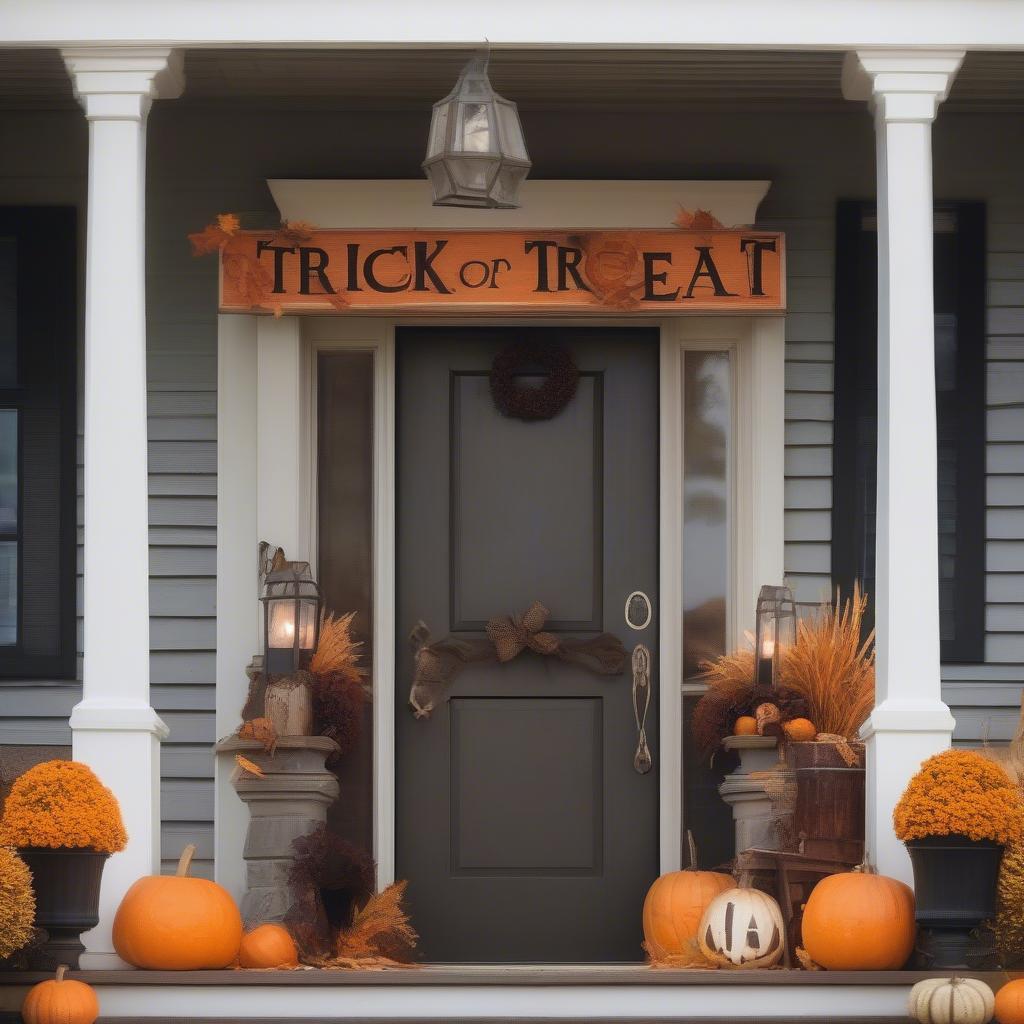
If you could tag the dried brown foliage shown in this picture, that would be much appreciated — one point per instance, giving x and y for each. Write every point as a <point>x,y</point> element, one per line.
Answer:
<point>262,730</point>
<point>691,958</point>
<point>338,703</point>
<point>833,667</point>
<point>214,236</point>
<point>336,651</point>
<point>731,693</point>
<point>698,220</point>
<point>329,878</point>
<point>381,929</point>
<point>249,767</point>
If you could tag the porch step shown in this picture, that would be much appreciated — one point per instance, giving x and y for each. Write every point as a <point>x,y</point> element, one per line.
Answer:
<point>493,994</point>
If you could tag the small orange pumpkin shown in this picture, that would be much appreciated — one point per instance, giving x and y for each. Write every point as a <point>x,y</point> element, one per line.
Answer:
<point>673,909</point>
<point>800,730</point>
<point>268,945</point>
<point>859,921</point>
<point>746,725</point>
<point>60,1001</point>
<point>1010,1003</point>
<point>177,923</point>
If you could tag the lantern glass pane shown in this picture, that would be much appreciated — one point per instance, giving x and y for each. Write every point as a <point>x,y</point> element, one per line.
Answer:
<point>282,624</point>
<point>438,130</point>
<point>439,179</point>
<point>474,131</point>
<point>510,130</point>
<point>307,625</point>
<point>470,174</point>
<point>506,187</point>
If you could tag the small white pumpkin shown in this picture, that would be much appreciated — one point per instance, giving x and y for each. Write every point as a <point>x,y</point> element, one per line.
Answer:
<point>952,1001</point>
<point>742,928</point>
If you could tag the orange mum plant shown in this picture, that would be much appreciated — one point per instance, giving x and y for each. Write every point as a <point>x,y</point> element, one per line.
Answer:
<point>62,804</point>
<point>961,793</point>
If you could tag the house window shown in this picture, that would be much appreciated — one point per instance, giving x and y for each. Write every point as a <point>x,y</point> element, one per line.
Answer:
<point>38,358</point>
<point>959,268</point>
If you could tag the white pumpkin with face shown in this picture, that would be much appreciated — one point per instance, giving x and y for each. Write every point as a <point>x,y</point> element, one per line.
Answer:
<point>742,929</point>
<point>952,1001</point>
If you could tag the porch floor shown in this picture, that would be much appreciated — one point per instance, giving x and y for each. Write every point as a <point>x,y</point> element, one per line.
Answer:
<point>493,993</point>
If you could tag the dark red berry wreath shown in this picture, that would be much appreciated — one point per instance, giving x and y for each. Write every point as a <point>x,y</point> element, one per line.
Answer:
<point>533,403</point>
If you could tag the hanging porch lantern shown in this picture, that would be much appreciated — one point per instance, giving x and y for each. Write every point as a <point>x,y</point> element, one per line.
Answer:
<point>291,618</point>
<point>775,632</point>
<point>476,155</point>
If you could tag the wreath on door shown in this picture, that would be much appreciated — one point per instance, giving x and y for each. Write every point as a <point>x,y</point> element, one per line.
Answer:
<point>523,402</point>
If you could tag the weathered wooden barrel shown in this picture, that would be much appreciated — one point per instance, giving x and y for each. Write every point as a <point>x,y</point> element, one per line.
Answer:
<point>829,819</point>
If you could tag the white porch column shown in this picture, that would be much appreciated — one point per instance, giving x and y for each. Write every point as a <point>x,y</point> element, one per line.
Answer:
<point>910,722</point>
<point>114,728</point>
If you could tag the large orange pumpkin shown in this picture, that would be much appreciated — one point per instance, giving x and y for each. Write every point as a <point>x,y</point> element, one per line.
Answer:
<point>177,923</point>
<point>1010,1003</point>
<point>268,945</point>
<point>859,921</point>
<point>673,909</point>
<point>60,1001</point>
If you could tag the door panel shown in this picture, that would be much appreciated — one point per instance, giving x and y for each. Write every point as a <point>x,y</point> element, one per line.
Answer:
<point>521,824</point>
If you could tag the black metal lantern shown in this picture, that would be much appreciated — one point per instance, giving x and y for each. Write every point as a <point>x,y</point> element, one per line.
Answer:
<point>776,631</point>
<point>476,155</point>
<point>291,618</point>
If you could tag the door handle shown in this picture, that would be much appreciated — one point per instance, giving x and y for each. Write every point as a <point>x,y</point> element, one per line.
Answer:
<point>642,760</point>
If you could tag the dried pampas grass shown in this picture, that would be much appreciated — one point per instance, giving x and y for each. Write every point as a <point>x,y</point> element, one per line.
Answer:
<point>336,651</point>
<point>833,667</point>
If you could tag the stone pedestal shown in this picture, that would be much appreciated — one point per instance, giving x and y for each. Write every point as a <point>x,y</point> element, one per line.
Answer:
<point>291,800</point>
<point>746,791</point>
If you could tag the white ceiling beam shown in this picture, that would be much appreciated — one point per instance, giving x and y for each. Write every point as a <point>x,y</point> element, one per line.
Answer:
<point>687,24</point>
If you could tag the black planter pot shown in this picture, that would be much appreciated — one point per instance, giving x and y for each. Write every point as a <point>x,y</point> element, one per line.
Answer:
<point>954,891</point>
<point>954,880</point>
<point>67,888</point>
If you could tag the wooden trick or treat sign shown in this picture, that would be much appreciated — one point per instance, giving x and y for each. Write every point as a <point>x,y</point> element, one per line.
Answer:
<point>300,269</point>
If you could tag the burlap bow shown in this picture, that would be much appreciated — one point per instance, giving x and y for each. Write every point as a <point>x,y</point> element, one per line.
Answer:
<point>438,662</point>
<point>512,634</point>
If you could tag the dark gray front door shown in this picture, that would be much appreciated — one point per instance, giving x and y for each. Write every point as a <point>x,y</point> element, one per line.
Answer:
<point>523,828</point>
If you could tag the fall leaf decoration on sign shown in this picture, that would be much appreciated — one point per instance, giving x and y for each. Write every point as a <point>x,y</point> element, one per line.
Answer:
<point>293,231</point>
<point>249,767</point>
<point>698,220</point>
<point>214,236</point>
<point>381,930</point>
<point>262,730</point>
<point>612,268</point>
<point>253,281</point>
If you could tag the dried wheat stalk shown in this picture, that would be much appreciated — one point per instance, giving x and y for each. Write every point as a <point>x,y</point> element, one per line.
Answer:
<point>336,651</point>
<point>833,667</point>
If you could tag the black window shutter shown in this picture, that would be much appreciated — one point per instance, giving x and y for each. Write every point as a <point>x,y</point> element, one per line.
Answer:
<point>959,263</point>
<point>45,396</point>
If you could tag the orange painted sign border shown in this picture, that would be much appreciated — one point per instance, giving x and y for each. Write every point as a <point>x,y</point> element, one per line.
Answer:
<point>582,272</point>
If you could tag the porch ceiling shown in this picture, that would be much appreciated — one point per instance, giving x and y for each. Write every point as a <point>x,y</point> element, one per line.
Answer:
<point>562,79</point>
